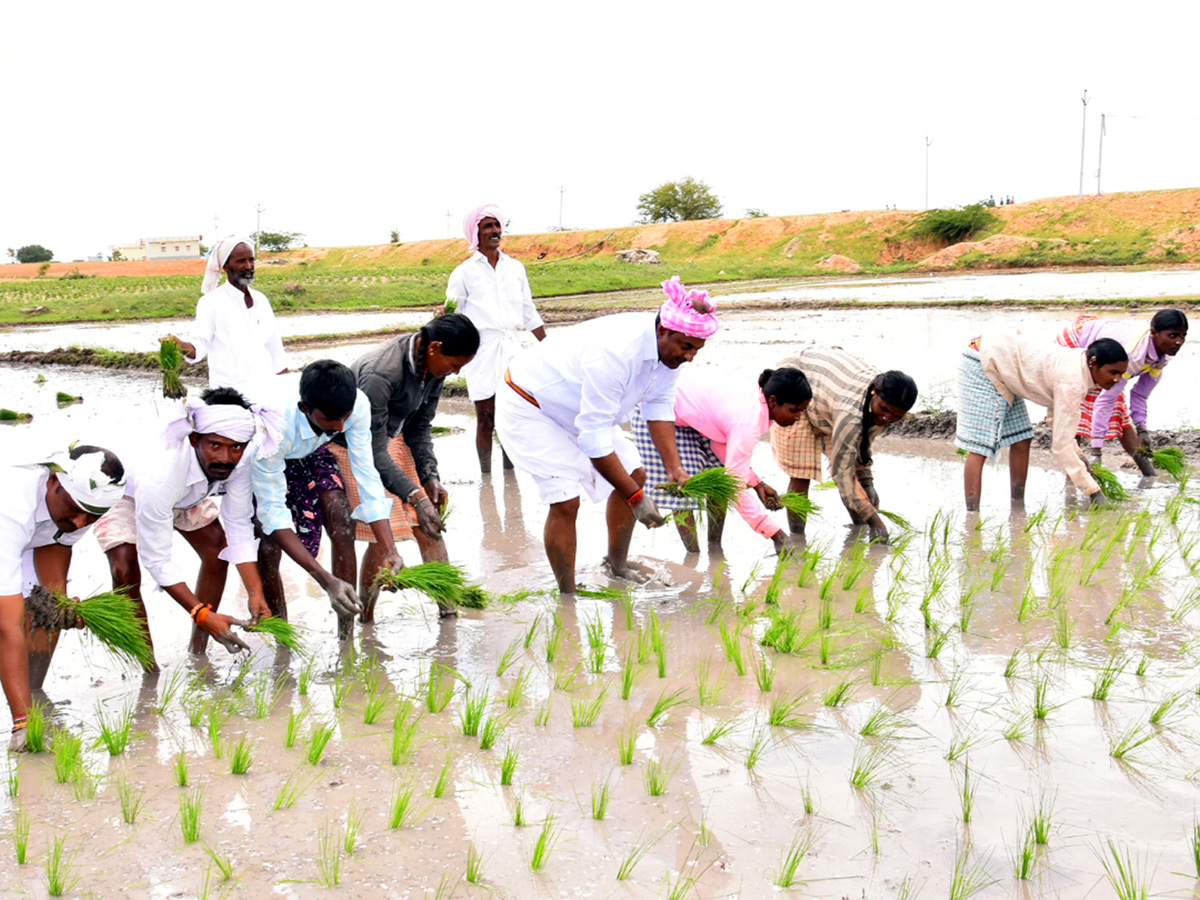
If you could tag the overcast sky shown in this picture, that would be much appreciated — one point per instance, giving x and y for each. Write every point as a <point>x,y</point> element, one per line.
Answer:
<point>345,120</point>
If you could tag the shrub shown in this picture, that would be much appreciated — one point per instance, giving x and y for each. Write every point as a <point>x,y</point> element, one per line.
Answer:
<point>294,288</point>
<point>954,225</point>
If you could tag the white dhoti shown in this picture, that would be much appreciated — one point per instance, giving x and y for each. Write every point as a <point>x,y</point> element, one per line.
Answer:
<point>485,372</point>
<point>540,446</point>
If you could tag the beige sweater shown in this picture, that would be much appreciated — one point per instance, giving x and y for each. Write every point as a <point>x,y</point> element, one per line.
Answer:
<point>1053,376</point>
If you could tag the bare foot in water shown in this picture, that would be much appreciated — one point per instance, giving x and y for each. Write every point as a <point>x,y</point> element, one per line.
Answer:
<point>628,570</point>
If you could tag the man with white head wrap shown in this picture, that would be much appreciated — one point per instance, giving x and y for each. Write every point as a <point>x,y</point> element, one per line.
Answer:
<point>492,290</point>
<point>235,325</point>
<point>48,507</point>
<point>203,458</point>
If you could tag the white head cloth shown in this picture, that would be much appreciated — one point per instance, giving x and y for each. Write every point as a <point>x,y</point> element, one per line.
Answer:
<point>229,421</point>
<point>216,261</point>
<point>84,479</point>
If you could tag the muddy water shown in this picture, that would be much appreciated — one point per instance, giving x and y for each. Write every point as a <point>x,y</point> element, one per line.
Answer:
<point>720,821</point>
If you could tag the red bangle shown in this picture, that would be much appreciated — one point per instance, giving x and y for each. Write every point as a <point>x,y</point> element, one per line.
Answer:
<point>196,615</point>
<point>635,496</point>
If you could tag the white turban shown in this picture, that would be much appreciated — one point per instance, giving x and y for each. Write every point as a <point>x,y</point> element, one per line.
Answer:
<point>229,421</point>
<point>84,479</point>
<point>216,261</point>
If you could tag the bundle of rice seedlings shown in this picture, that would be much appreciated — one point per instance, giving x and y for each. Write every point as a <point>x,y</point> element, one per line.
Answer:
<point>8,415</point>
<point>798,505</point>
<point>718,486</point>
<point>62,398</point>
<point>283,631</point>
<point>450,308</point>
<point>1171,460</point>
<point>600,593</point>
<point>474,597</point>
<point>896,519</point>
<point>1108,481</point>
<point>170,358</point>
<point>112,618</point>
<point>442,581</point>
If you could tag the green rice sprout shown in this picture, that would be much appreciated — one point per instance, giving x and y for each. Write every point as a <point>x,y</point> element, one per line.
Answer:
<point>584,713</point>
<point>402,811</point>
<point>1041,693</point>
<point>305,677</point>
<point>35,728</point>
<point>471,715</point>
<point>113,618</point>
<point>657,776</point>
<point>868,766</point>
<point>508,765</point>
<point>61,875</point>
<point>896,519</point>
<point>1171,460</point>
<point>764,672</point>
<point>1108,481</point>
<point>1168,705</point>
<point>1121,746</point>
<point>1010,668</point>
<point>708,690</point>
<point>442,581</point>
<point>663,706</point>
<point>720,729</point>
<point>629,674</point>
<point>170,360</point>
<point>354,824</point>
<point>1143,666</point>
<point>883,723</point>
<point>545,842</point>
<point>1124,873</point>
<point>132,800</point>
<point>966,795</point>
<point>1194,842</point>
<point>491,731</point>
<point>317,741</point>
<point>600,593</point>
<point>191,804</point>
<point>443,779</point>
<point>508,658</point>
<point>222,863</point>
<point>635,855</point>
<point>626,741</point>
<point>808,797</point>
<point>731,641</point>
<point>554,636</point>
<point>21,836</point>
<point>541,718</point>
<point>83,785</point>
<point>8,415</point>
<point>181,769</point>
<point>968,878</point>
<point>798,505</point>
<point>472,596</point>
<point>295,720</point>
<point>758,743</point>
<point>601,797</point>
<point>518,689</point>
<point>717,486</point>
<point>68,753</point>
<point>439,687</point>
<point>63,399</point>
<point>474,873</point>
<point>791,858</point>
<point>280,630</point>
<point>518,811</point>
<point>449,307</point>
<point>115,731</point>
<point>1024,858</point>
<point>242,757</point>
<point>404,733</point>
<point>217,714</point>
<point>13,776</point>
<point>1041,821</point>
<point>329,855</point>
<point>377,703</point>
<point>169,691</point>
<point>266,694</point>
<point>839,694</point>
<point>783,711</point>
<point>290,791</point>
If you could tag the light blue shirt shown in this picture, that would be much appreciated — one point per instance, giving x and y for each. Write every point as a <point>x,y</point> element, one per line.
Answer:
<point>298,441</point>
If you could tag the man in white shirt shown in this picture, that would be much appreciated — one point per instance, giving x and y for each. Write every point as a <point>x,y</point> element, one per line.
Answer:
<point>48,507</point>
<point>203,458</point>
<point>492,290</point>
<point>566,399</point>
<point>235,325</point>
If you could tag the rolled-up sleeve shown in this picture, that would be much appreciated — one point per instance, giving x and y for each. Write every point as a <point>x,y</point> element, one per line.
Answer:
<point>375,505</point>
<point>605,380</point>
<point>659,404</point>
<point>155,516</point>
<point>236,511</point>
<point>270,489</point>
<point>456,287</point>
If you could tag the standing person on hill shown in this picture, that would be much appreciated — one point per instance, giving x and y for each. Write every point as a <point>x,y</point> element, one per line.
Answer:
<point>1105,414</point>
<point>565,402</point>
<point>201,458</point>
<point>997,374</point>
<point>853,402</point>
<point>492,290</point>
<point>403,379</point>
<point>329,404</point>
<point>48,507</point>
<point>235,325</point>
<point>719,423</point>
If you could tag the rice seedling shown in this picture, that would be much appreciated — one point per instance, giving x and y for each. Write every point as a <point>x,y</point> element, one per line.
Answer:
<point>170,361</point>
<point>1124,873</point>
<point>329,855</point>
<point>869,763</point>
<point>775,585</point>
<point>191,804</point>
<point>599,593</point>
<point>344,681</point>
<point>1109,483</point>
<point>601,797</point>
<point>1041,821</point>
<point>584,713</point>
<point>470,716</point>
<point>318,740</point>
<point>216,714</point>
<point>839,694</point>
<point>1171,460</point>
<point>220,862</point>
<point>1016,729</point>
<point>961,743</point>
<point>473,596</point>
<point>1121,746</point>
<point>663,706</point>
<point>111,617</point>
<point>966,795</point>
<point>115,731</point>
<point>658,642</point>
<point>541,718</point>
<point>1194,846</point>
<point>8,415</point>
<point>83,785</point>
<point>1024,858</point>
<point>783,632</point>
<point>508,765</point>
<point>567,679</point>
<point>375,706</point>
<point>404,732</point>
<point>438,687</point>
<point>1013,664</point>
<point>808,566</point>
<point>168,692</point>
<point>883,723</point>
<point>791,858</point>
<point>1063,627</point>
<point>764,672</point>
<point>635,855</point>
<point>21,825</point>
<point>290,791</point>
<point>1165,707</point>
<point>508,658</point>
<point>1041,694</point>
<point>61,875</point>
<point>292,732</point>
<point>532,630</point>
<point>855,566</point>
<point>491,731</point>
<point>967,878</point>
<point>1143,666</point>
<point>896,519</point>
<point>304,679</point>
<point>131,800</point>
<point>554,636</point>
<point>826,592</point>
<point>935,642</point>
<point>808,798</point>
<point>717,486</point>
<point>242,757</point>
<point>626,740</point>
<point>708,689</point>
<point>657,776</point>
<point>783,713</point>
<point>181,769</point>
<point>758,743</point>
<point>402,811</point>
<point>720,729</point>
<point>731,641</point>
<point>545,842</point>
<point>474,872</point>
<point>443,582</point>
<point>443,779</point>
<point>68,753</point>
<point>518,811</point>
<point>798,504</point>
<point>281,631</point>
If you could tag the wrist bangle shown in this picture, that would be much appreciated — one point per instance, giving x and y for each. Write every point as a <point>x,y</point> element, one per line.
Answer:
<point>19,722</point>
<point>637,495</point>
<point>200,612</point>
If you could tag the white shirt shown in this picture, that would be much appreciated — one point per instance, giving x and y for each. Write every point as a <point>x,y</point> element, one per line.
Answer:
<point>25,523</point>
<point>496,299</point>
<point>175,481</point>
<point>243,346</point>
<point>591,376</point>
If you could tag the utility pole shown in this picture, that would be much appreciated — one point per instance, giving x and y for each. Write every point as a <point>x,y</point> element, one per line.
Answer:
<point>561,191</point>
<point>1083,142</point>
<point>1100,156</point>
<point>448,216</point>
<point>927,143</point>
<point>259,209</point>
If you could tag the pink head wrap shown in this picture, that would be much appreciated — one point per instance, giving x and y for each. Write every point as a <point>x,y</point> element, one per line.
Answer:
<point>690,312</point>
<point>472,219</point>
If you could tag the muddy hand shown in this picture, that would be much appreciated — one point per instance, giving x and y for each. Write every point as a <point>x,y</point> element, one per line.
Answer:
<point>868,485</point>
<point>879,531</point>
<point>1143,436</point>
<point>391,563</point>
<point>428,519</point>
<point>768,495</point>
<point>221,629</point>
<point>342,597</point>
<point>646,512</point>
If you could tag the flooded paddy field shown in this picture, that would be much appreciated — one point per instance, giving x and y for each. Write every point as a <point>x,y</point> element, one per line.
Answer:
<point>1002,694</point>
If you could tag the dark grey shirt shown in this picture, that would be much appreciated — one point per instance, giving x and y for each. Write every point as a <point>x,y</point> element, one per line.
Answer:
<point>403,401</point>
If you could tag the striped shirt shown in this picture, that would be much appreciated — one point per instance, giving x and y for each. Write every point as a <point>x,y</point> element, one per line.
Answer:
<point>839,383</point>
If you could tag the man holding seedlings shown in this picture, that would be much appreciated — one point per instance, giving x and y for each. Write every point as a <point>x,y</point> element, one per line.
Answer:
<point>492,290</point>
<point>996,374</point>
<point>567,397</point>
<point>49,506</point>
<point>329,404</point>
<point>175,491</point>
<point>1105,414</point>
